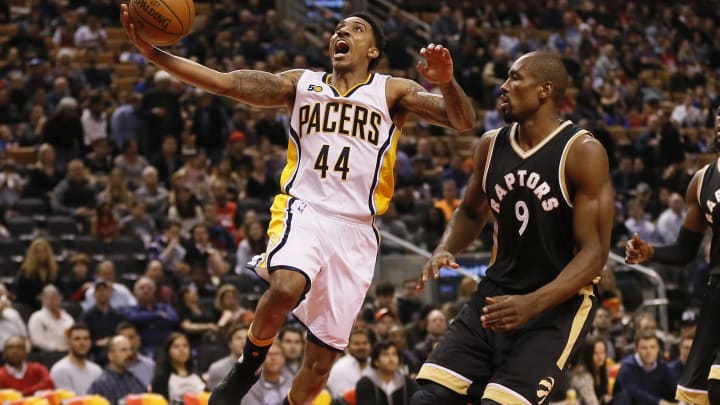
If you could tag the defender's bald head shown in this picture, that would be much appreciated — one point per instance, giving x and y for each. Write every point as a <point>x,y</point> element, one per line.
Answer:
<point>546,66</point>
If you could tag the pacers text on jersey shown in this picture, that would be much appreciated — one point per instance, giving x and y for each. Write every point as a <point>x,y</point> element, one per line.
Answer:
<point>340,118</point>
<point>532,181</point>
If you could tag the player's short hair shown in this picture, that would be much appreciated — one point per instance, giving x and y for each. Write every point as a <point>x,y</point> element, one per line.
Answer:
<point>379,35</point>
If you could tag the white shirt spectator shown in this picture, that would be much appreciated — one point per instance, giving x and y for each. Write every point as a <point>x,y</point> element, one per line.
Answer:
<point>11,324</point>
<point>669,224</point>
<point>344,374</point>
<point>120,297</point>
<point>48,332</point>
<point>686,115</point>
<point>86,37</point>
<point>93,127</point>
<point>68,375</point>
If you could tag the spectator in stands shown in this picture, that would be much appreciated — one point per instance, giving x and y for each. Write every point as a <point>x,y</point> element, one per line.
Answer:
<point>292,340</point>
<point>223,171</point>
<point>638,222</point>
<point>38,269</point>
<point>589,377</point>
<point>390,222</point>
<point>384,320</point>
<point>153,194</point>
<point>75,372</point>
<point>409,360</point>
<point>74,196</point>
<point>64,35</point>
<point>126,122</point>
<point>226,207</point>
<point>168,249</point>
<point>167,160</point>
<point>671,220</point>
<point>644,378</point>
<point>11,184</point>
<point>20,374</point>
<point>493,76</point>
<point>47,326</point>
<point>260,184</point>
<point>444,27</point>
<point>437,324</point>
<point>131,163</point>
<point>686,114</point>
<point>11,323</point>
<point>200,254</point>
<point>273,385</point>
<point>102,319</point>
<point>348,369</point>
<point>120,296</point>
<point>196,321</point>
<point>677,366</point>
<point>384,382</point>
<point>450,200</point>
<point>236,151</point>
<point>602,324</point>
<point>166,283</point>
<point>408,302</point>
<point>116,381</point>
<point>175,374</point>
<point>154,321</point>
<point>161,109</point>
<point>117,192</point>
<point>63,130</point>
<point>138,223</point>
<point>99,159</point>
<point>209,125</point>
<point>30,133</point>
<point>236,337</point>
<point>74,285</point>
<point>97,77</point>
<point>254,243</point>
<point>227,304</point>
<point>431,228</point>
<point>218,234</point>
<point>185,209</point>
<point>91,34</point>
<point>104,224</point>
<point>141,366</point>
<point>94,120</point>
<point>44,175</point>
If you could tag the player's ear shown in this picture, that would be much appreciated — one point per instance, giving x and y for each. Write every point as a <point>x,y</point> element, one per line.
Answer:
<point>546,90</point>
<point>373,53</point>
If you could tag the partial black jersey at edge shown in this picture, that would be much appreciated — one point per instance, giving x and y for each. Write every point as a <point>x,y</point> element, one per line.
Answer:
<point>709,199</point>
<point>531,206</point>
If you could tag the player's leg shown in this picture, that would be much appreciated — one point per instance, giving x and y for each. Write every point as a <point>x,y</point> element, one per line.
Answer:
<point>286,288</point>
<point>432,393</point>
<point>313,374</point>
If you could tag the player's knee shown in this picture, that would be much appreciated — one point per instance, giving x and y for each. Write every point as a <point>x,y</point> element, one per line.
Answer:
<point>431,393</point>
<point>714,392</point>
<point>287,287</point>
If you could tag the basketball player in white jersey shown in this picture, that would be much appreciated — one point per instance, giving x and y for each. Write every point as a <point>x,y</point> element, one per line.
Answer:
<point>339,176</point>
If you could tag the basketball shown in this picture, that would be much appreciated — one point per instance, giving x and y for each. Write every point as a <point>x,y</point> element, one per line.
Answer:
<point>162,22</point>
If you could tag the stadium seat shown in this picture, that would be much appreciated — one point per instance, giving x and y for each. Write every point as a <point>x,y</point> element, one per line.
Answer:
<point>144,399</point>
<point>86,400</point>
<point>21,226</point>
<point>130,246</point>
<point>73,309</point>
<point>9,394</point>
<point>91,246</point>
<point>7,275</point>
<point>55,397</point>
<point>247,204</point>
<point>24,310</point>
<point>196,398</point>
<point>62,227</point>
<point>32,207</point>
<point>12,249</point>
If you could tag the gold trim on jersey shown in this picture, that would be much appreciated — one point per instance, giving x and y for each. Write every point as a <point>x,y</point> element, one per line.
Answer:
<point>692,396</point>
<point>561,169</point>
<point>276,228</point>
<point>700,183</point>
<point>714,373</point>
<point>503,395</point>
<point>386,178</point>
<point>577,324</point>
<point>291,167</point>
<point>351,89</point>
<point>526,154</point>
<point>445,377</point>
<point>493,133</point>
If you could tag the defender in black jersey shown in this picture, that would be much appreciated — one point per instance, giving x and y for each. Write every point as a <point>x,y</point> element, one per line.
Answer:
<point>545,184</point>
<point>700,382</point>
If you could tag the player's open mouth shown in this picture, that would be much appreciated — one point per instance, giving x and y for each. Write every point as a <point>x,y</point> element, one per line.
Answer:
<point>504,102</point>
<point>341,47</point>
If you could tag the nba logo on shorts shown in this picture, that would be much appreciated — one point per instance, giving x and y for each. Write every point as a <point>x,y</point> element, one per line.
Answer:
<point>299,206</point>
<point>544,388</point>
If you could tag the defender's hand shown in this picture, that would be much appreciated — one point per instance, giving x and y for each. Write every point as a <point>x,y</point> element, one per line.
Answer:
<point>637,250</point>
<point>438,260</point>
<point>507,312</point>
<point>438,66</point>
<point>129,26</point>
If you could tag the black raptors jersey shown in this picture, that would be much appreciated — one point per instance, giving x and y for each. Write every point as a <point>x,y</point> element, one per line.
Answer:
<point>709,198</point>
<point>532,208</point>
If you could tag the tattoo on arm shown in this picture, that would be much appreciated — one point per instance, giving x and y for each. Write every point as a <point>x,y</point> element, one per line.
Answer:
<point>428,106</point>
<point>262,89</point>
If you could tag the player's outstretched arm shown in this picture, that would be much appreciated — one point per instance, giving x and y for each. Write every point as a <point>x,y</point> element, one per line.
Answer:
<point>466,222</point>
<point>452,109</point>
<point>261,89</point>
<point>685,248</point>
<point>587,171</point>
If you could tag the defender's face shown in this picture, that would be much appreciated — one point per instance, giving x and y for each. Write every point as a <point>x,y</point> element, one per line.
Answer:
<point>518,95</point>
<point>352,43</point>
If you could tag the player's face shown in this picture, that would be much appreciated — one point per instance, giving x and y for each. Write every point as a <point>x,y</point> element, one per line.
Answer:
<point>352,43</point>
<point>519,93</point>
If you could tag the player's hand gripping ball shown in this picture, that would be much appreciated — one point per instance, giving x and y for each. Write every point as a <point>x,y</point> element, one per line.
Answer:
<point>162,22</point>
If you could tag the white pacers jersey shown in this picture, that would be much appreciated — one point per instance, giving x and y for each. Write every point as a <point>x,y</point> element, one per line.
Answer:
<point>342,147</point>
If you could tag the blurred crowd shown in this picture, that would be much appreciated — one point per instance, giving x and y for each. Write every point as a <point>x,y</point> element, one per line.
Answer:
<point>130,201</point>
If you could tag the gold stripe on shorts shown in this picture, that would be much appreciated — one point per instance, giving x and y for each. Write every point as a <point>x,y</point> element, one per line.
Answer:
<point>691,396</point>
<point>577,324</point>
<point>444,377</point>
